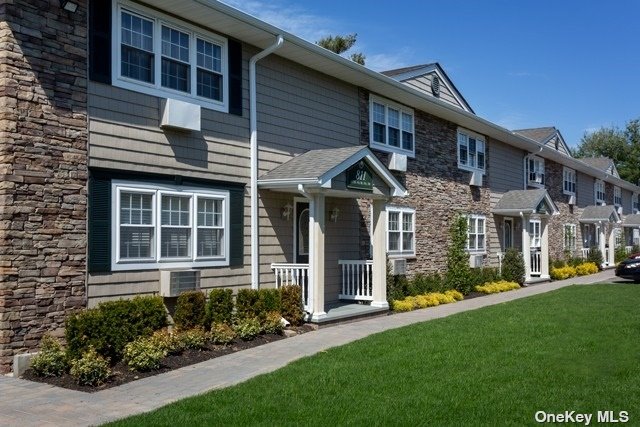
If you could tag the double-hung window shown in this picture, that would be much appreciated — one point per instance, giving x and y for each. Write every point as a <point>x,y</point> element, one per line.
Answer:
<point>162,56</point>
<point>476,233</point>
<point>617,196</point>
<point>568,181</point>
<point>168,226</point>
<point>471,151</point>
<point>392,127</point>
<point>635,207</point>
<point>570,237</point>
<point>400,231</point>
<point>535,171</point>
<point>598,188</point>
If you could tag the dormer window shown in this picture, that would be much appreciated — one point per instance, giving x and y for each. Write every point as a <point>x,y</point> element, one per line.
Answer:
<point>617,196</point>
<point>535,172</point>
<point>599,192</point>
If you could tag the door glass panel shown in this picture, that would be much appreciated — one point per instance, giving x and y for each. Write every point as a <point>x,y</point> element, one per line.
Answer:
<point>303,233</point>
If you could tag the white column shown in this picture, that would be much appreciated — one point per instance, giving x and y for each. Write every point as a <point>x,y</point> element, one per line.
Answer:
<point>603,242</point>
<point>612,247</point>
<point>526,247</point>
<point>379,255</point>
<point>316,256</point>
<point>544,248</point>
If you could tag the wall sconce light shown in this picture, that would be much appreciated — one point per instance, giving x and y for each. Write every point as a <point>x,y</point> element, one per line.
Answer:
<point>69,6</point>
<point>334,214</point>
<point>286,211</point>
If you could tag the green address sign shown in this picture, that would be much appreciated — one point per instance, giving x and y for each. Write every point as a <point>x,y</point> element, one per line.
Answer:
<point>359,177</point>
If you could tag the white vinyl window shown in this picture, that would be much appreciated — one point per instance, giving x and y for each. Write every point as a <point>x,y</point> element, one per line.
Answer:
<point>598,189</point>
<point>635,208</point>
<point>568,181</point>
<point>162,56</point>
<point>535,171</point>
<point>400,231</point>
<point>569,237</point>
<point>617,196</point>
<point>392,127</point>
<point>476,233</point>
<point>535,233</point>
<point>168,226</point>
<point>471,151</point>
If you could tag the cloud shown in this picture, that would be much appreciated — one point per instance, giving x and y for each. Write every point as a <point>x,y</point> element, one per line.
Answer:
<point>386,61</point>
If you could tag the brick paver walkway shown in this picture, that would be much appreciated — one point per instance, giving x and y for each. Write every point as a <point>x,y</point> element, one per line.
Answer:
<point>25,403</point>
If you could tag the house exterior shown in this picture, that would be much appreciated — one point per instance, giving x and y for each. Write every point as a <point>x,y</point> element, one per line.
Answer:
<point>151,148</point>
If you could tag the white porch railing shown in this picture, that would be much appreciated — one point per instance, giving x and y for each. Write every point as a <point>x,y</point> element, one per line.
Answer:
<point>628,249</point>
<point>293,274</point>
<point>536,262</point>
<point>585,252</point>
<point>357,280</point>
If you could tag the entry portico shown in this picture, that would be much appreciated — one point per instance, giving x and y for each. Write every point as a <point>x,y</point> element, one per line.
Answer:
<point>331,174</point>
<point>599,223</point>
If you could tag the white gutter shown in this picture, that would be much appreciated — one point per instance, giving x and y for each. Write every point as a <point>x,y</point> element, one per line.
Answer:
<point>253,125</point>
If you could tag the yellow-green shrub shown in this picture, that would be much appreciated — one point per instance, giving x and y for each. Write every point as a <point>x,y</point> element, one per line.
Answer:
<point>431,299</point>
<point>444,298</point>
<point>455,294</point>
<point>495,287</point>
<point>586,268</point>
<point>402,305</point>
<point>427,300</point>
<point>563,272</point>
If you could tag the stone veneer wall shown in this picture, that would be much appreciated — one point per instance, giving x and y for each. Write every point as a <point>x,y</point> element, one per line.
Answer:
<point>438,190</point>
<point>43,164</point>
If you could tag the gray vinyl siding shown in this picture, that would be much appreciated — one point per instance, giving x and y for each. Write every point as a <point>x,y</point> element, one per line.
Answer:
<point>423,84</point>
<point>626,201</point>
<point>298,110</point>
<point>561,148</point>
<point>584,190</point>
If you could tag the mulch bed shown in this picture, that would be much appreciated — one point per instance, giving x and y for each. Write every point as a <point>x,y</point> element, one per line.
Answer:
<point>121,374</point>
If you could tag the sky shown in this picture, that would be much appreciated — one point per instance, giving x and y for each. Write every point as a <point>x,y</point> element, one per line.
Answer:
<point>570,64</point>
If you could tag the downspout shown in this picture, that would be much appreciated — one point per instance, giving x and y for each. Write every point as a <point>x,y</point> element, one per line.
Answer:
<point>253,125</point>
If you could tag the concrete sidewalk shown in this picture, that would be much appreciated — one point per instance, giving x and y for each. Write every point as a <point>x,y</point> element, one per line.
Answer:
<point>25,403</point>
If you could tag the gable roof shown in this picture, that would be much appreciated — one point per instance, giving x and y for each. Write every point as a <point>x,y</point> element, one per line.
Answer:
<point>632,221</point>
<point>525,201</point>
<point>318,167</point>
<point>547,136</point>
<point>408,73</point>
<point>596,213</point>
<point>604,164</point>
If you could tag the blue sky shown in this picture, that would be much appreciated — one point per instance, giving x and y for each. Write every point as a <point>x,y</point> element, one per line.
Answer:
<point>570,64</point>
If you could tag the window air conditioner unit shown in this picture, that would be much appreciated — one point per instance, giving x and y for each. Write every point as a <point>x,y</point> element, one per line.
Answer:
<point>180,115</point>
<point>398,162</point>
<point>572,200</point>
<point>175,282</point>
<point>538,179</point>
<point>399,266</point>
<point>476,179</point>
<point>476,261</point>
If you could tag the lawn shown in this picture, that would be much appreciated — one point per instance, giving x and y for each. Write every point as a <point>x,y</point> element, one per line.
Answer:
<point>572,349</point>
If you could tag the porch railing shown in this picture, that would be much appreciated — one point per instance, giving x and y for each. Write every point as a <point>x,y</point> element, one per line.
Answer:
<point>293,274</point>
<point>357,280</point>
<point>585,252</point>
<point>536,262</point>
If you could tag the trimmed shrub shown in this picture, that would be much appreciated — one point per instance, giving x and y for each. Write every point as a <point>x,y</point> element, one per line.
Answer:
<point>291,304</point>
<point>248,329</point>
<point>194,339</point>
<point>221,333</point>
<point>144,354</point>
<point>635,249</point>
<point>562,273</point>
<point>495,287</point>
<point>458,272</point>
<point>586,268</point>
<point>52,360</point>
<point>247,303</point>
<point>403,305</point>
<point>478,276</point>
<point>620,254</point>
<point>423,283</point>
<point>513,267</point>
<point>595,256</point>
<point>397,287</point>
<point>574,262</point>
<point>268,301</point>
<point>219,307</point>
<point>558,263</point>
<point>272,323</point>
<point>168,341</point>
<point>91,369</point>
<point>189,310</point>
<point>111,325</point>
<point>431,299</point>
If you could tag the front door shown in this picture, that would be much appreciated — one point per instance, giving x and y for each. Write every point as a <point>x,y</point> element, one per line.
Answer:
<point>301,233</point>
<point>535,246</point>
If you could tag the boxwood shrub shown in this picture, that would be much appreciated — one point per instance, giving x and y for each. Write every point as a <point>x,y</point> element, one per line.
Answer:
<point>219,307</point>
<point>189,310</point>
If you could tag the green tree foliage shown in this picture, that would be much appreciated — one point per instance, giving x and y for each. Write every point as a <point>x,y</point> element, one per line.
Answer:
<point>458,271</point>
<point>620,145</point>
<point>340,44</point>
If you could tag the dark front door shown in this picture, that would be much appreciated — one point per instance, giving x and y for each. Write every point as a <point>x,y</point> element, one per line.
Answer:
<point>302,233</point>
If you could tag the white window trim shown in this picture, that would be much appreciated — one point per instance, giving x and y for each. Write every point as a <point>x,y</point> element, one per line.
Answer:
<point>599,183</point>
<point>155,88</point>
<point>617,197</point>
<point>158,190</point>
<point>400,210</point>
<point>564,237</point>
<point>634,203</point>
<point>402,109</point>
<point>482,251</point>
<point>572,173</point>
<point>477,137</point>
<point>540,160</point>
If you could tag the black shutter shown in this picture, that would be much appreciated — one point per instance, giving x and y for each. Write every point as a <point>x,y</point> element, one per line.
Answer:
<point>99,225</point>
<point>235,77</point>
<point>100,41</point>
<point>236,243</point>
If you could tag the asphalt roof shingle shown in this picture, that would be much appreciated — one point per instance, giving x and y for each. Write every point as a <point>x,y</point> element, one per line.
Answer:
<point>537,134</point>
<point>596,213</point>
<point>632,220</point>
<point>525,200</point>
<point>602,163</point>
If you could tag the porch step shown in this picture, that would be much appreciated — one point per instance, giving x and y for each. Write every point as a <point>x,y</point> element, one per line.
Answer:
<point>341,313</point>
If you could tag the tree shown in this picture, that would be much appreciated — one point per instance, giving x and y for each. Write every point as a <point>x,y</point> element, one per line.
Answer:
<point>340,44</point>
<point>458,274</point>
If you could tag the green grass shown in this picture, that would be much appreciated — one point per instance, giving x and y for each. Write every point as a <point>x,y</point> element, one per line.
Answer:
<point>573,349</point>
